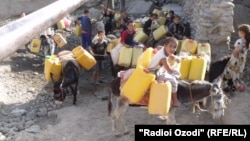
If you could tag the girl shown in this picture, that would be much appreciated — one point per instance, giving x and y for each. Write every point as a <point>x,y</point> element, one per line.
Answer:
<point>235,66</point>
<point>163,69</point>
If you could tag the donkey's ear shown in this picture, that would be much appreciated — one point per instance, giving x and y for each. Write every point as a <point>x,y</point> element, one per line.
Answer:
<point>52,77</point>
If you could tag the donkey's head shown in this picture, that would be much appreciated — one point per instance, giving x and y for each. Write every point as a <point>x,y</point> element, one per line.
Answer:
<point>218,101</point>
<point>58,90</point>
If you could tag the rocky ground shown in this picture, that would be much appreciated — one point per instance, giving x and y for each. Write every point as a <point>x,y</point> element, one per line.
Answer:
<point>28,111</point>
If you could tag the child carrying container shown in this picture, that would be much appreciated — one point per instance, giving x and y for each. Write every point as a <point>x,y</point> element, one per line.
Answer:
<point>160,65</point>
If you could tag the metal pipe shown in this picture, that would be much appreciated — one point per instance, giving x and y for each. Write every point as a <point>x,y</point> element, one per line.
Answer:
<point>21,31</point>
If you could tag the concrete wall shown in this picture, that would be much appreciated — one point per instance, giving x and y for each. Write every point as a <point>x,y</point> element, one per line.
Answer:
<point>10,8</point>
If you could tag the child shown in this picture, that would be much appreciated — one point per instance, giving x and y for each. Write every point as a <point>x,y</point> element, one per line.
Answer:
<point>235,66</point>
<point>127,38</point>
<point>176,29</point>
<point>98,50</point>
<point>164,72</point>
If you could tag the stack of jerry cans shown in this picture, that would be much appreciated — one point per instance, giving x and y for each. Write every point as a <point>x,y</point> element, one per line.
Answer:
<point>84,58</point>
<point>145,57</point>
<point>125,56</point>
<point>189,46</point>
<point>137,84</point>
<point>197,68</point>
<point>59,40</point>
<point>52,65</point>
<point>159,98</point>
<point>136,53</point>
<point>35,45</point>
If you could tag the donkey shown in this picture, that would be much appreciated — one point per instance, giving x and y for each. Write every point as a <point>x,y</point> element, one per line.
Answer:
<point>210,94</point>
<point>70,78</point>
<point>215,72</point>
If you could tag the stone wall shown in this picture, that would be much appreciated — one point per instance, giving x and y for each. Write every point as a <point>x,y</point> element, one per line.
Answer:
<point>211,20</point>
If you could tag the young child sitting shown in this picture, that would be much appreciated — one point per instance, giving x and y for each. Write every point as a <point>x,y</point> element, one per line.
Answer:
<point>164,70</point>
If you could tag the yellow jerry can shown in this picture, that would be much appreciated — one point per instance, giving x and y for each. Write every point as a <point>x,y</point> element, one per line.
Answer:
<point>125,56</point>
<point>52,65</point>
<point>204,49</point>
<point>159,98</point>
<point>85,59</point>
<point>145,57</point>
<point>78,30</point>
<point>197,68</point>
<point>35,45</point>
<point>136,53</point>
<point>185,67</point>
<point>60,24</point>
<point>160,32</point>
<point>161,20</point>
<point>137,84</point>
<point>189,45</point>
<point>140,36</point>
<point>59,40</point>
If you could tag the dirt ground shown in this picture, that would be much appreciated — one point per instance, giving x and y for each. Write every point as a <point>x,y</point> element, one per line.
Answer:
<point>23,86</point>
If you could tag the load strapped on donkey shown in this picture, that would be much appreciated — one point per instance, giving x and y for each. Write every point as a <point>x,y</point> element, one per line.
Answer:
<point>138,86</point>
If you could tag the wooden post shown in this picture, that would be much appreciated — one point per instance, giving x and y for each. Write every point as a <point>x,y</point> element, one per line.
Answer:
<point>21,31</point>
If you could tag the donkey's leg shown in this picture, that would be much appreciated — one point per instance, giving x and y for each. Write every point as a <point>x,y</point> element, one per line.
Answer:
<point>171,116</point>
<point>114,116</point>
<point>117,115</point>
<point>123,109</point>
<point>74,88</point>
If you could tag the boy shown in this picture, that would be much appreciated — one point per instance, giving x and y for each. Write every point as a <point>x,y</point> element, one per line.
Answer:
<point>98,50</point>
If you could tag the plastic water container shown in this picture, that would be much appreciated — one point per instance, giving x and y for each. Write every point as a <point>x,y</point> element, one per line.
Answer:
<point>140,36</point>
<point>35,45</point>
<point>52,65</point>
<point>160,32</point>
<point>189,45</point>
<point>84,58</point>
<point>185,67</point>
<point>145,57</point>
<point>60,24</point>
<point>136,53</point>
<point>59,39</point>
<point>125,56</point>
<point>137,84</point>
<point>159,98</point>
<point>197,68</point>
